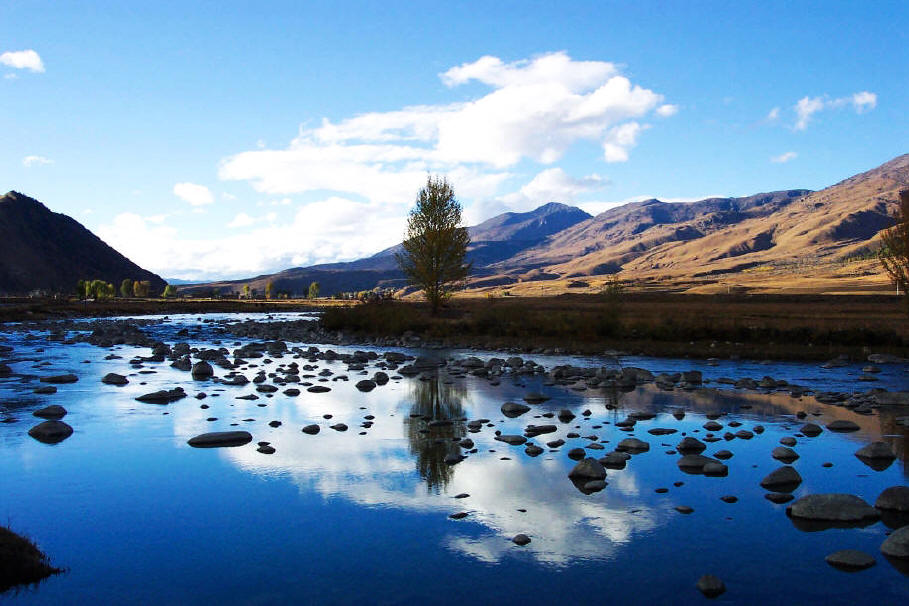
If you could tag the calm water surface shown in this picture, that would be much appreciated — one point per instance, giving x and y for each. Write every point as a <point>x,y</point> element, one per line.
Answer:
<point>135,515</point>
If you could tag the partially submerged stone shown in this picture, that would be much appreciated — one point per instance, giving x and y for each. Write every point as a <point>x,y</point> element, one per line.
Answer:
<point>54,411</point>
<point>833,507</point>
<point>588,469</point>
<point>850,560</point>
<point>217,439</point>
<point>897,544</point>
<point>58,379</point>
<point>783,479</point>
<point>51,432</point>
<point>164,396</point>
<point>113,378</point>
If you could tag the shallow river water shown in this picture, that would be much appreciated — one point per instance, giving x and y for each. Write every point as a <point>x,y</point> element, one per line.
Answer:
<point>137,516</point>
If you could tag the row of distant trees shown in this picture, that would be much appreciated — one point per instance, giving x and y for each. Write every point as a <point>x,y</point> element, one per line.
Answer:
<point>271,293</point>
<point>99,289</point>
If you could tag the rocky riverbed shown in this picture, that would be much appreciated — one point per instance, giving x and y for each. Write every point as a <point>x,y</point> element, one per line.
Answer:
<point>537,463</point>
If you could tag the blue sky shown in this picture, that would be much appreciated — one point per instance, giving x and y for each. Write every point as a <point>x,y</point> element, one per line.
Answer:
<point>218,139</point>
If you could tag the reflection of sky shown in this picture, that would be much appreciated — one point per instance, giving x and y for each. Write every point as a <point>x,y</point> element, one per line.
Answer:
<point>378,472</point>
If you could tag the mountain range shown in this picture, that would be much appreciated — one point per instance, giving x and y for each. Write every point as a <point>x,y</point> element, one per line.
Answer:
<point>792,236</point>
<point>41,250</point>
<point>780,239</point>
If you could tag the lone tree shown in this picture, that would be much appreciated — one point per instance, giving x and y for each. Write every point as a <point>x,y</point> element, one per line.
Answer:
<point>313,290</point>
<point>894,253</point>
<point>435,245</point>
<point>126,288</point>
<point>269,290</point>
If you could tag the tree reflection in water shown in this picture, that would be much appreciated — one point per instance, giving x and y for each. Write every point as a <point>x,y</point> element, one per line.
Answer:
<point>434,427</point>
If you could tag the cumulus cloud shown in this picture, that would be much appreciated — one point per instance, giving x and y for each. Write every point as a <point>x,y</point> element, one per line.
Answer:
<point>552,185</point>
<point>29,161</point>
<point>773,115</point>
<point>667,110</point>
<point>196,195</point>
<point>536,110</point>
<point>784,157</point>
<point>25,59</point>
<point>807,107</point>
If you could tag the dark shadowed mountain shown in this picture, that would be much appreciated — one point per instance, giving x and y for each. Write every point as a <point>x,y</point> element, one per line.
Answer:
<point>44,250</point>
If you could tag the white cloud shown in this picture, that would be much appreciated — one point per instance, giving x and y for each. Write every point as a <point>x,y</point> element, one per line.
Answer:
<point>667,110</point>
<point>808,106</point>
<point>536,110</point>
<point>329,230</point>
<point>241,220</point>
<point>29,161</point>
<point>25,59</point>
<point>773,115</point>
<point>552,185</point>
<point>785,157</point>
<point>620,139</point>
<point>196,195</point>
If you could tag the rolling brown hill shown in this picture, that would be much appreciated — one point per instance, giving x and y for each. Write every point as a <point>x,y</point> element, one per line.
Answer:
<point>47,251</point>
<point>817,241</point>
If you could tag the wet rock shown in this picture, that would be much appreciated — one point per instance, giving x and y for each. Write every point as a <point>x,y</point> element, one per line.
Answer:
<point>684,509</point>
<point>692,377</point>
<point>712,426</point>
<point>615,460</point>
<point>778,497</point>
<point>535,397</point>
<point>113,378</point>
<point>265,388</point>
<point>556,443</point>
<point>876,451</point>
<point>45,390</point>
<point>593,486</point>
<point>811,430</point>
<point>366,385</point>
<point>60,379</point>
<point>311,429</point>
<point>588,469</point>
<point>788,441</point>
<point>266,449</point>
<point>339,427</point>
<point>565,415</point>
<point>536,430</point>
<point>850,560</point>
<point>715,469</point>
<point>784,479</point>
<point>786,455</point>
<point>694,463</point>
<point>292,392</point>
<point>533,450</point>
<point>513,409</point>
<point>895,498</point>
<point>514,440</point>
<point>459,516</point>
<point>164,396</point>
<point>833,507</point>
<point>744,434</point>
<point>576,454</point>
<point>318,389</point>
<point>51,432</point>
<point>55,411</point>
<point>723,455</point>
<point>218,439</point>
<point>520,539</point>
<point>842,426</point>
<point>661,431</point>
<point>711,586</point>
<point>202,371</point>
<point>690,445</point>
<point>632,445</point>
<point>729,499</point>
<point>897,544</point>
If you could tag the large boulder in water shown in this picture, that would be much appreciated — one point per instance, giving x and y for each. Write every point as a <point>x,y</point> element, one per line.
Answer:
<point>113,378</point>
<point>588,469</point>
<point>513,409</point>
<point>164,396</point>
<point>217,439</point>
<point>51,432</point>
<point>895,498</point>
<point>833,507</point>
<point>202,371</point>
<point>784,479</point>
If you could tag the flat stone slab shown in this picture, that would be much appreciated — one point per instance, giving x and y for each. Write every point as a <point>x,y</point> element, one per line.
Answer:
<point>833,507</point>
<point>218,439</point>
<point>58,379</point>
<point>163,396</point>
<point>850,560</point>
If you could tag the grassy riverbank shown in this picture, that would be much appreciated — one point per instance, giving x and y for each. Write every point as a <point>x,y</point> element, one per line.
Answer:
<point>754,326</point>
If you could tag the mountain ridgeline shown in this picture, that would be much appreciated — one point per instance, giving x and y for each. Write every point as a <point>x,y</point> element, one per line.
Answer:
<point>41,250</point>
<point>662,242</point>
